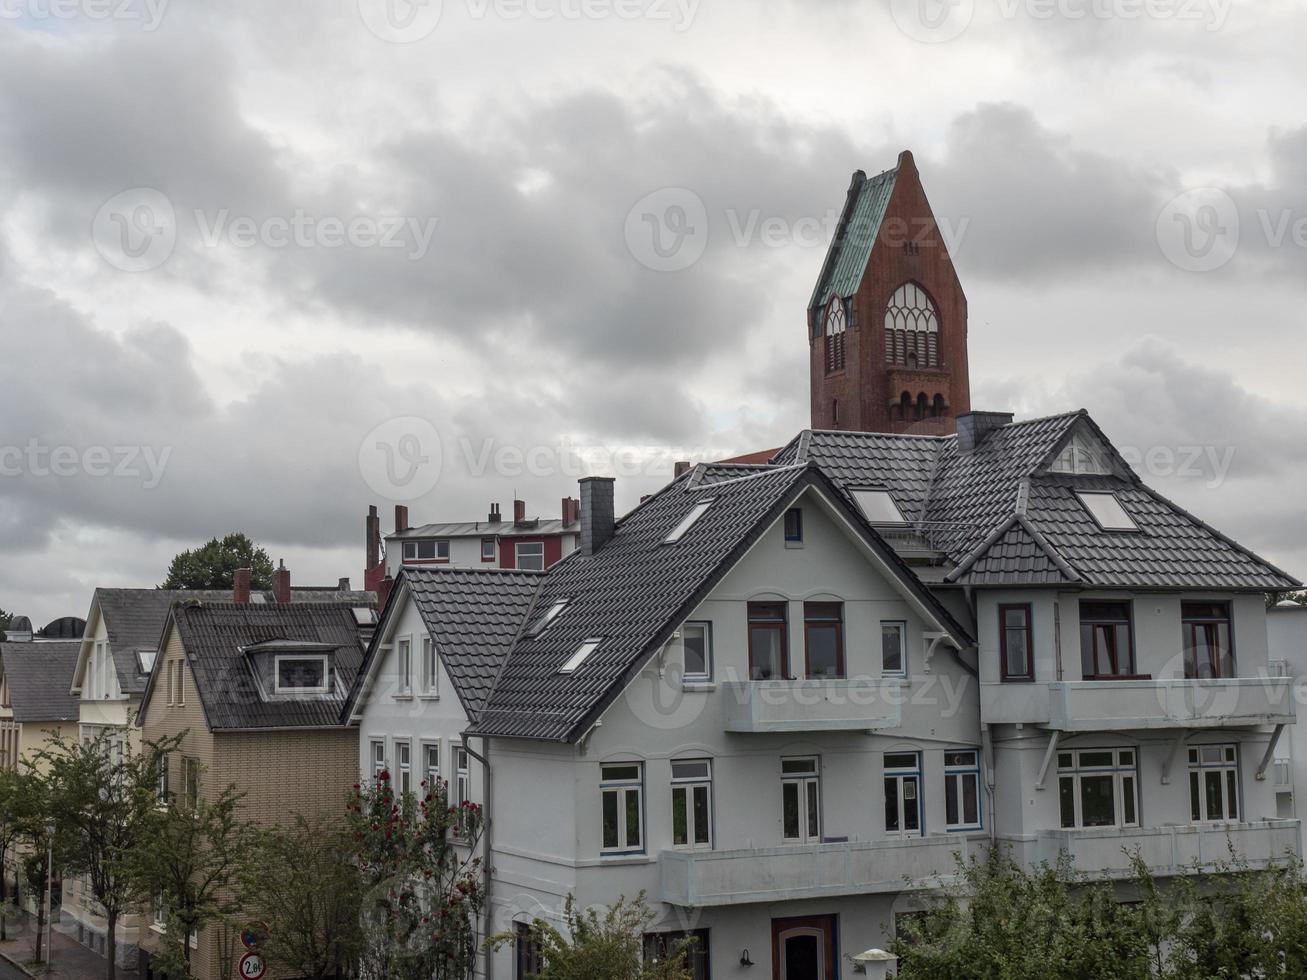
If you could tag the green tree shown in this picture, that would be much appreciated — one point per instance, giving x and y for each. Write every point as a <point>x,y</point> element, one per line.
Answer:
<point>422,889</point>
<point>19,806</point>
<point>44,837</point>
<point>605,944</point>
<point>108,798</point>
<point>5,619</point>
<point>213,565</point>
<point>304,888</point>
<point>192,859</point>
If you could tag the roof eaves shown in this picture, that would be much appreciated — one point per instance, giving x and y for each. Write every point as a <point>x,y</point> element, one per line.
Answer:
<point>364,679</point>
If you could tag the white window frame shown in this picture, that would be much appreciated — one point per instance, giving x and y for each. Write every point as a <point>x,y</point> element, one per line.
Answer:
<point>403,765</point>
<point>491,556</point>
<point>518,555</point>
<point>582,654</point>
<point>404,666</point>
<point>688,521</point>
<point>378,761</point>
<point>804,777</point>
<point>546,619</point>
<point>1107,511</point>
<point>907,788</point>
<point>439,549</point>
<point>1125,783</point>
<point>462,785</point>
<point>690,779</point>
<point>696,677</point>
<point>1226,765</point>
<point>955,783</point>
<point>431,773</point>
<point>323,688</point>
<point>620,788</point>
<point>902,628</point>
<point>430,668</point>
<point>879,507</point>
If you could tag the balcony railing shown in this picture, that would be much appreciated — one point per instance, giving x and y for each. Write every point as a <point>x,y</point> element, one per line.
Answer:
<point>1105,852</point>
<point>711,878</point>
<point>813,705</point>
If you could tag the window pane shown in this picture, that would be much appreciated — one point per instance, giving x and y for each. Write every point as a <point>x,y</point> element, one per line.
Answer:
<point>702,821</point>
<point>1066,798</point>
<point>1093,759</point>
<point>1195,796</point>
<point>824,650</point>
<point>959,758</point>
<point>1128,799</point>
<point>901,760</point>
<point>632,818</point>
<point>765,643</point>
<point>680,832</point>
<point>1232,794</point>
<point>694,643</point>
<point>610,819</point>
<point>891,804</point>
<point>615,773</point>
<point>952,789</point>
<point>1097,801</point>
<point>911,805</point>
<point>970,798</point>
<point>1212,785</point>
<point>798,765</point>
<point>891,647</point>
<point>790,809</point>
<point>813,824</point>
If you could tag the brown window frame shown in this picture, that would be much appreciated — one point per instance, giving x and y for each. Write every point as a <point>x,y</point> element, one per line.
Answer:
<point>1128,675</point>
<point>810,620</point>
<point>1003,610</point>
<point>759,622</point>
<point>1190,622</point>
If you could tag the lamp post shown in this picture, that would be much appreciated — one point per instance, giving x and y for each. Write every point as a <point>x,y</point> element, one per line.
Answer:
<point>49,895</point>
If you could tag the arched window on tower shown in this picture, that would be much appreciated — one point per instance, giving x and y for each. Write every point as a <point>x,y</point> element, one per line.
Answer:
<point>938,407</point>
<point>911,328</point>
<point>923,405</point>
<point>835,328</point>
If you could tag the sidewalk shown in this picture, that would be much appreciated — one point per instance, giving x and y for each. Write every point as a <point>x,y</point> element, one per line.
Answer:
<point>72,960</point>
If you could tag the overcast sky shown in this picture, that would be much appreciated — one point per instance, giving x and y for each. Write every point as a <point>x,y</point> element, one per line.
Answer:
<point>243,244</point>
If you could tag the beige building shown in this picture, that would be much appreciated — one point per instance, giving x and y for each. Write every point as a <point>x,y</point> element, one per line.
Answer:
<point>257,693</point>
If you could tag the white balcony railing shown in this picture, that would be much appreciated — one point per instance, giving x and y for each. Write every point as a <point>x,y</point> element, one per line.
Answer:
<point>813,705</point>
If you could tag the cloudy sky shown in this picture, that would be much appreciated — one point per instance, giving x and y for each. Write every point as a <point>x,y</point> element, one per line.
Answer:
<point>244,244</point>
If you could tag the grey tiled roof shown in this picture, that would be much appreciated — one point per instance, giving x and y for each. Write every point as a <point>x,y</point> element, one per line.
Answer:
<point>214,634</point>
<point>39,676</point>
<point>484,529</point>
<point>635,590</point>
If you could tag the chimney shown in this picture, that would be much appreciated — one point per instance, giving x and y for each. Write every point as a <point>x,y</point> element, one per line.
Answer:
<point>281,583</point>
<point>373,535</point>
<point>973,427</point>
<point>519,511</point>
<point>596,513</point>
<point>569,511</point>
<point>494,514</point>
<point>240,586</point>
<point>383,591</point>
<point>401,517</point>
<point>682,467</point>
<point>343,585</point>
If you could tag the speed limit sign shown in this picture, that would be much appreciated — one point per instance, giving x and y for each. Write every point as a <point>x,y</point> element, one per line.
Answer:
<point>252,967</point>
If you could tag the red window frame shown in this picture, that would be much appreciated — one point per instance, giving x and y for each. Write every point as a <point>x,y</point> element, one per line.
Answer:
<point>1092,622</point>
<point>770,617</point>
<point>1191,622</point>
<point>1026,609</point>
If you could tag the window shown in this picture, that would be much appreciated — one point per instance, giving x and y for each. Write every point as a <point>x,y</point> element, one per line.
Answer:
<point>299,674</point>
<point>660,946</point>
<point>431,765</point>
<point>581,656</point>
<point>1098,788</point>
<point>962,790</point>
<point>158,913</point>
<point>1208,647</point>
<point>162,789</point>
<point>190,781</point>
<point>768,651</point>
<point>430,672</point>
<point>793,526</point>
<point>1080,457</point>
<point>692,803</point>
<point>696,512</point>
<point>431,550</point>
<point>530,555</point>
<point>1214,782</point>
<point>527,961</point>
<point>1016,648</point>
<point>546,619</point>
<point>621,787</point>
<point>801,800</point>
<point>1106,640</point>
<point>487,549</point>
<point>911,328</point>
<point>835,325</point>
<point>903,794</point>
<point>462,785</point>
<point>878,507</point>
<point>823,638</point>
<point>378,757</point>
<point>181,683</point>
<point>696,651</point>
<point>894,649</point>
<point>1107,512</point>
<point>404,765</point>
<point>404,666</point>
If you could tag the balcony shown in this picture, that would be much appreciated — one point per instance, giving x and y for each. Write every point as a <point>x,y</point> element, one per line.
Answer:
<point>801,871</point>
<point>813,705</point>
<point>1141,703</point>
<point>1104,852</point>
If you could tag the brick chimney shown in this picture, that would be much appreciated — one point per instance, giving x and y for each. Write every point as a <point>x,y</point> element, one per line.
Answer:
<point>494,514</point>
<point>281,583</point>
<point>682,467</point>
<point>519,511</point>
<point>383,591</point>
<point>596,513</point>
<point>240,586</point>
<point>571,511</point>
<point>401,517</point>
<point>372,535</point>
<point>973,427</point>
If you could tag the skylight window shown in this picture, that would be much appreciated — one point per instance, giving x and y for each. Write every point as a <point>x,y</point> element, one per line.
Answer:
<point>687,521</point>
<point>581,656</point>
<point>145,660</point>
<point>1107,512</point>
<point>546,619</point>
<point>879,507</point>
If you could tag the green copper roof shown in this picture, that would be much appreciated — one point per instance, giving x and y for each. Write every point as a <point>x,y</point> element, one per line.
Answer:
<point>859,225</point>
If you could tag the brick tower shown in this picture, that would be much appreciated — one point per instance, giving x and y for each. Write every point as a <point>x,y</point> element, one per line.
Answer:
<point>887,323</point>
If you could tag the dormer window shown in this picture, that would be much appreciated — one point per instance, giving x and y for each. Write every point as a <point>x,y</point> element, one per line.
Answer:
<point>301,674</point>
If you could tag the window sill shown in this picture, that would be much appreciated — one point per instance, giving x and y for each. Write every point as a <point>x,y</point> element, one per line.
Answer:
<point>427,697</point>
<point>702,686</point>
<point>626,857</point>
<point>1117,677</point>
<point>403,697</point>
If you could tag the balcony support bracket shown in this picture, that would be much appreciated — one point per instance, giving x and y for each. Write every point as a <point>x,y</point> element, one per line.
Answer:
<point>1169,762</point>
<point>1048,758</point>
<point>1269,754</point>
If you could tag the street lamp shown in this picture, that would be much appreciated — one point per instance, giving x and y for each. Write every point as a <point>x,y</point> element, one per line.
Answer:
<point>49,896</point>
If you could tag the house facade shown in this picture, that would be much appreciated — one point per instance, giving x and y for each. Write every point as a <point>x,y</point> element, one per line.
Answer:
<point>1286,628</point>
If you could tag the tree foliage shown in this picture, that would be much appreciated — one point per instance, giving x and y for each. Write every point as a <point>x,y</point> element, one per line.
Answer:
<point>20,807</point>
<point>213,565</point>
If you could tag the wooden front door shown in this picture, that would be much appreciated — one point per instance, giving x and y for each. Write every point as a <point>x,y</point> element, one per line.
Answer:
<point>804,949</point>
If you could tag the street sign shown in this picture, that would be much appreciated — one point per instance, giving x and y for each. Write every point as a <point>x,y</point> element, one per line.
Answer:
<point>252,967</point>
<point>252,936</point>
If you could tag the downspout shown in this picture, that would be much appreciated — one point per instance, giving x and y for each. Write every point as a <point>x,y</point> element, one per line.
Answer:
<point>487,832</point>
<point>971,596</point>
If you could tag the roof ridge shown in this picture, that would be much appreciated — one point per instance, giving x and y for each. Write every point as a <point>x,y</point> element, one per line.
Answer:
<point>762,469</point>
